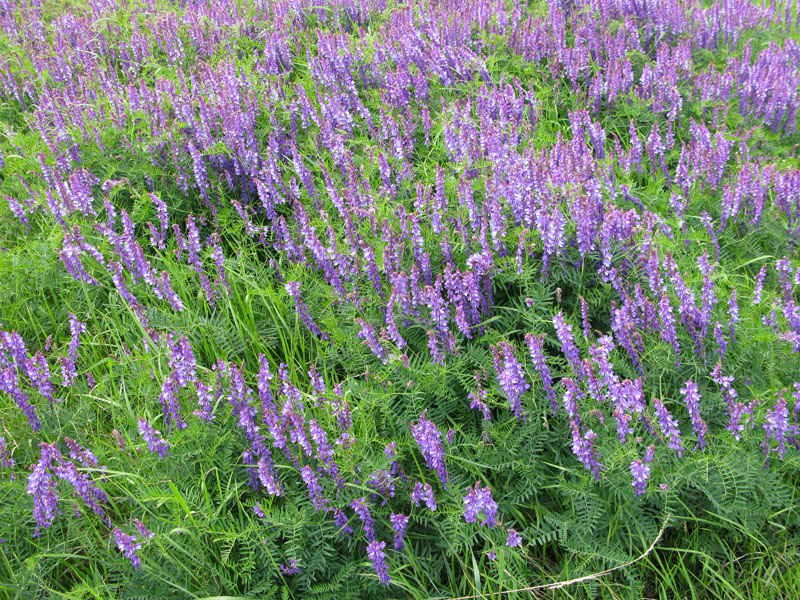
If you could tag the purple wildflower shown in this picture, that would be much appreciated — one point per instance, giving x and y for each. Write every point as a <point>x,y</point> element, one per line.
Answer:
<point>340,519</point>
<point>669,426</point>
<point>292,569</point>
<point>479,500</point>
<point>535,347</point>
<point>778,428</point>
<point>367,333</point>
<point>514,539</point>
<point>423,492</point>
<point>314,488</point>
<point>428,438</point>
<point>128,545</point>
<point>692,400</point>
<point>360,507</point>
<point>378,557</point>
<point>583,448</point>
<point>259,512</point>
<point>150,435</point>
<point>641,473</point>
<point>9,383</point>
<point>268,478</point>
<point>293,289</point>
<point>41,486</point>
<point>510,376</point>
<point>568,347</point>
<point>733,312</point>
<point>399,524</point>
<point>5,458</point>
<point>758,290</point>
<point>144,531</point>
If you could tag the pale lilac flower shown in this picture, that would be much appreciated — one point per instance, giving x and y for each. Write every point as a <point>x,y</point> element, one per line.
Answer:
<point>514,539</point>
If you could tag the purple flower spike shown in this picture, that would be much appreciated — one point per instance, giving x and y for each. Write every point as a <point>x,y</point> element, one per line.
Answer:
<point>692,400</point>
<point>564,333</point>
<point>150,435</point>
<point>429,439</point>
<point>293,289</point>
<point>514,539</point>
<point>778,428</point>
<point>42,487</point>
<point>378,557</point>
<point>292,569</point>
<point>423,492</point>
<point>669,427</point>
<point>5,458</point>
<point>314,488</point>
<point>360,507</point>
<point>128,545</point>
<point>399,524</point>
<point>641,473</point>
<point>511,377</point>
<point>583,447</point>
<point>479,500</point>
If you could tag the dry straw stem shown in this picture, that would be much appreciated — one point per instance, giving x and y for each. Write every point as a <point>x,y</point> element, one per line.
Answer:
<point>561,584</point>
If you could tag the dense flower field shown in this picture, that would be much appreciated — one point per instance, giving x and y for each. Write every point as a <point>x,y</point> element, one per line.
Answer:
<point>393,298</point>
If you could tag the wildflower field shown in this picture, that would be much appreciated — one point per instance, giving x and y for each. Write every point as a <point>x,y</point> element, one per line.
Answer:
<point>332,299</point>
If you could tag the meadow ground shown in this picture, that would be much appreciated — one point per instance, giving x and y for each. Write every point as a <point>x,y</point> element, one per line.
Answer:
<point>394,299</point>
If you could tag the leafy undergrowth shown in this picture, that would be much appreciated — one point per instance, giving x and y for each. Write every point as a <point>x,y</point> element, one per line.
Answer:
<point>381,299</point>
